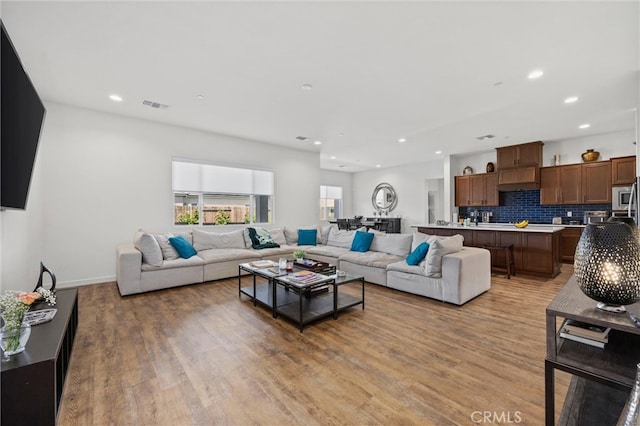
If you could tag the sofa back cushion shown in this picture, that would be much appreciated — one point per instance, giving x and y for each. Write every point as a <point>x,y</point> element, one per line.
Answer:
<point>168,251</point>
<point>419,238</point>
<point>340,238</point>
<point>396,244</point>
<point>438,248</point>
<point>203,240</point>
<point>149,248</point>
<point>278,236</point>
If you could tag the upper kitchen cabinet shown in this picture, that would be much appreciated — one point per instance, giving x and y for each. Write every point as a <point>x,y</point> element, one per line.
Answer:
<point>519,166</point>
<point>477,190</point>
<point>596,183</point>
<point>561,185</point>
<point>623,170</point>
<point>526,154</point>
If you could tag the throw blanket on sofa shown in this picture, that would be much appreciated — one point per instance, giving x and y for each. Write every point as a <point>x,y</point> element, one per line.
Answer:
<point>260,239</point>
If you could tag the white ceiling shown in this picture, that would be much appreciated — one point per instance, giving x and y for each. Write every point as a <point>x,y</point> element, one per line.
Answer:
<point>425,71</point>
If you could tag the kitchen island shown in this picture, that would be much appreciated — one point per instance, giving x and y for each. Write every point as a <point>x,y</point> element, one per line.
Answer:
<point>537,249</point>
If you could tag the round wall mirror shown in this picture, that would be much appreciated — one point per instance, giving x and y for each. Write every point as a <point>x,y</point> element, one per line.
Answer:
<point>384,197</point>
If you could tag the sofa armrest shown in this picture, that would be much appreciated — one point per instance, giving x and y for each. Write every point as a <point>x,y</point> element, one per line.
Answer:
<point>466,273</point>
<point>128,269</point>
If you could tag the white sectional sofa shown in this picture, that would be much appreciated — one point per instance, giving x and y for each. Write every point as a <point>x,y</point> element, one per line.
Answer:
<point>465,271</point>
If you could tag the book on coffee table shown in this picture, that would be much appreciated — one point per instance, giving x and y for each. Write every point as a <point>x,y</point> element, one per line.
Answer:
<point>262,264</point>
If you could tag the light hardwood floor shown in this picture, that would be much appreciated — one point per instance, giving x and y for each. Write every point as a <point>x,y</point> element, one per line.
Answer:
<point>200,355</point>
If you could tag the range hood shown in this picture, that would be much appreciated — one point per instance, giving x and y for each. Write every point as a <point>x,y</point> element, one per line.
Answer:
<point>527,177</point>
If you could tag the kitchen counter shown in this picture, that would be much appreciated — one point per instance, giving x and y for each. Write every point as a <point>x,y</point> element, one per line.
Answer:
<point>508,227</point>
<point>537,249</point>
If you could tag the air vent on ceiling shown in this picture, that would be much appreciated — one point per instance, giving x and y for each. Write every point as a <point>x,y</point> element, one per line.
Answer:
<point>155,104</point>
<point>483,137</point>
<point>301,138</point>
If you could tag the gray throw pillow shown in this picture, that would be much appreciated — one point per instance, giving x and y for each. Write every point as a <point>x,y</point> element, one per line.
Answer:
<point>439,248</point>
<point>168,252</point>
<point>149,247</point>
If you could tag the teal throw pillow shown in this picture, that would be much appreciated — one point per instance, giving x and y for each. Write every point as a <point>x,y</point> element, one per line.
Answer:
<point>362,241</point>
<point>307,237</point>
<point>416,256</point>
<point>260,239</point>
<point>182,246</point>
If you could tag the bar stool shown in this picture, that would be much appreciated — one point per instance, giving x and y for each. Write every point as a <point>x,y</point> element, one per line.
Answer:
<point>510,265</point>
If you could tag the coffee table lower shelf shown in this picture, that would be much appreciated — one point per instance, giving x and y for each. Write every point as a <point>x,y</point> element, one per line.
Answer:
<point>315,306</point>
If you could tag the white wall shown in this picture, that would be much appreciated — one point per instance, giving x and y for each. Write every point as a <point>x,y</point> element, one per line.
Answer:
<point>409,184</point>
<point>104,176</point>
<point>345,180</point>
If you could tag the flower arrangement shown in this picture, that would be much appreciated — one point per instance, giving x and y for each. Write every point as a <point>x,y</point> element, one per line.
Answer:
<point>14,305</point>
<point>299,254</point>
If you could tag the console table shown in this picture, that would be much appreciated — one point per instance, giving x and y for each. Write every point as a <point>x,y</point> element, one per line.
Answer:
<point>602,377</point>
<point>32,381</point>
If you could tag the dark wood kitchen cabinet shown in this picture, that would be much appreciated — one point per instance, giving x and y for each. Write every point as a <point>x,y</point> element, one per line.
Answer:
<point>623,170</point>
<point>569,241</point>
<point>526,154</point>
<point>561,185</point>
<point>477,190</point>
<point>596,183</point>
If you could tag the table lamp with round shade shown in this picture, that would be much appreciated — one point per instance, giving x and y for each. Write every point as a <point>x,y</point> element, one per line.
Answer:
<point>607,265</point>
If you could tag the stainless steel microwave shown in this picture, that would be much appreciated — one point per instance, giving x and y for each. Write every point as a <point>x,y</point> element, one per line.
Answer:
<point>620,197</point>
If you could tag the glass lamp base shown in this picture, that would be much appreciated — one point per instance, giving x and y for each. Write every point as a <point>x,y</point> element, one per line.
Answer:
<point>611,308</point>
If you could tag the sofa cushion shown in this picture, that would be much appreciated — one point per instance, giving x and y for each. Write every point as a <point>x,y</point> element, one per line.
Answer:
<point>261,239</point>
<point>278,236</point>
<point>397,244</point>
<point>182,246</point>
<point>176,263</point>
<point>307,237</point>
<point>149,248</point>
<point>323,236</point>
<point>327,251</point>
<point>402,266</point>
<point>168,252</point>
<point>416,256</point>
<point>214,255</point>
<point>419,238</point>
<point>361,241</point>
<point>374,259</point>
<point>203,240</point>
<point>340,238</point>
<point>437,249</point>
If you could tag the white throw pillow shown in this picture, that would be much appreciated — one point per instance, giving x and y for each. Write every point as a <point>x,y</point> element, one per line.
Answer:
<point>168,252</point>
<point>291,236</point>
<point>398,244</point>
<point>149,247</point>
<point>203,240</point>
<point>324,233</point>
<point>437,249</point>
<point>419,238</point>
<point>278,236</point>
<point>340,238</point>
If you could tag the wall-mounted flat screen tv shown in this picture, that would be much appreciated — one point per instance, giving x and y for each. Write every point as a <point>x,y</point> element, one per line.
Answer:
<point>21,117</point>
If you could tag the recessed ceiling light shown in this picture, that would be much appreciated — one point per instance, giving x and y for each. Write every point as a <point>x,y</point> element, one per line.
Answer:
<point>438,152</point>
<point>115,98</point>
<point>317,142</point>
<point>571,99</point>
<point>378,165</point>
<point>535,74</point>
<point>402,140</point>
<point>307,86</point>
<point>200,96</point>
<point>497,83</point>
<point>584,126</point>
<point>333,157</point>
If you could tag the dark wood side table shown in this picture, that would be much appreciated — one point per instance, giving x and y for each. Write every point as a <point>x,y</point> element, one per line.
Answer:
<point>613,369</point>
<point>32,381</point>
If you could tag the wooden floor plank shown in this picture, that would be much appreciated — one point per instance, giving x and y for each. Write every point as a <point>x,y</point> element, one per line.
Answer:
<point>200,355</point>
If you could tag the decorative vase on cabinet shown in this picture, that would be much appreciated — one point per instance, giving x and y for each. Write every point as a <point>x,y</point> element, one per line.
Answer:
<point>590,155</point>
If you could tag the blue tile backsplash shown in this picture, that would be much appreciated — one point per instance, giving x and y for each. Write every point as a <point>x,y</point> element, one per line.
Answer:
<point>517,205</point>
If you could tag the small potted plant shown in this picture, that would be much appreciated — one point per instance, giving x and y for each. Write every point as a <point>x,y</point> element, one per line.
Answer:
<point>299,255</point>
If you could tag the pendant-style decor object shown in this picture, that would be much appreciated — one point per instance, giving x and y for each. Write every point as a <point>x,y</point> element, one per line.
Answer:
<point>630,415</point>
<point>490,167</point>
<point>607,265</point>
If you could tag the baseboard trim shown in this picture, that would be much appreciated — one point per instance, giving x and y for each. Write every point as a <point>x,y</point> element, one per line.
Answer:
<point>87,281</point>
